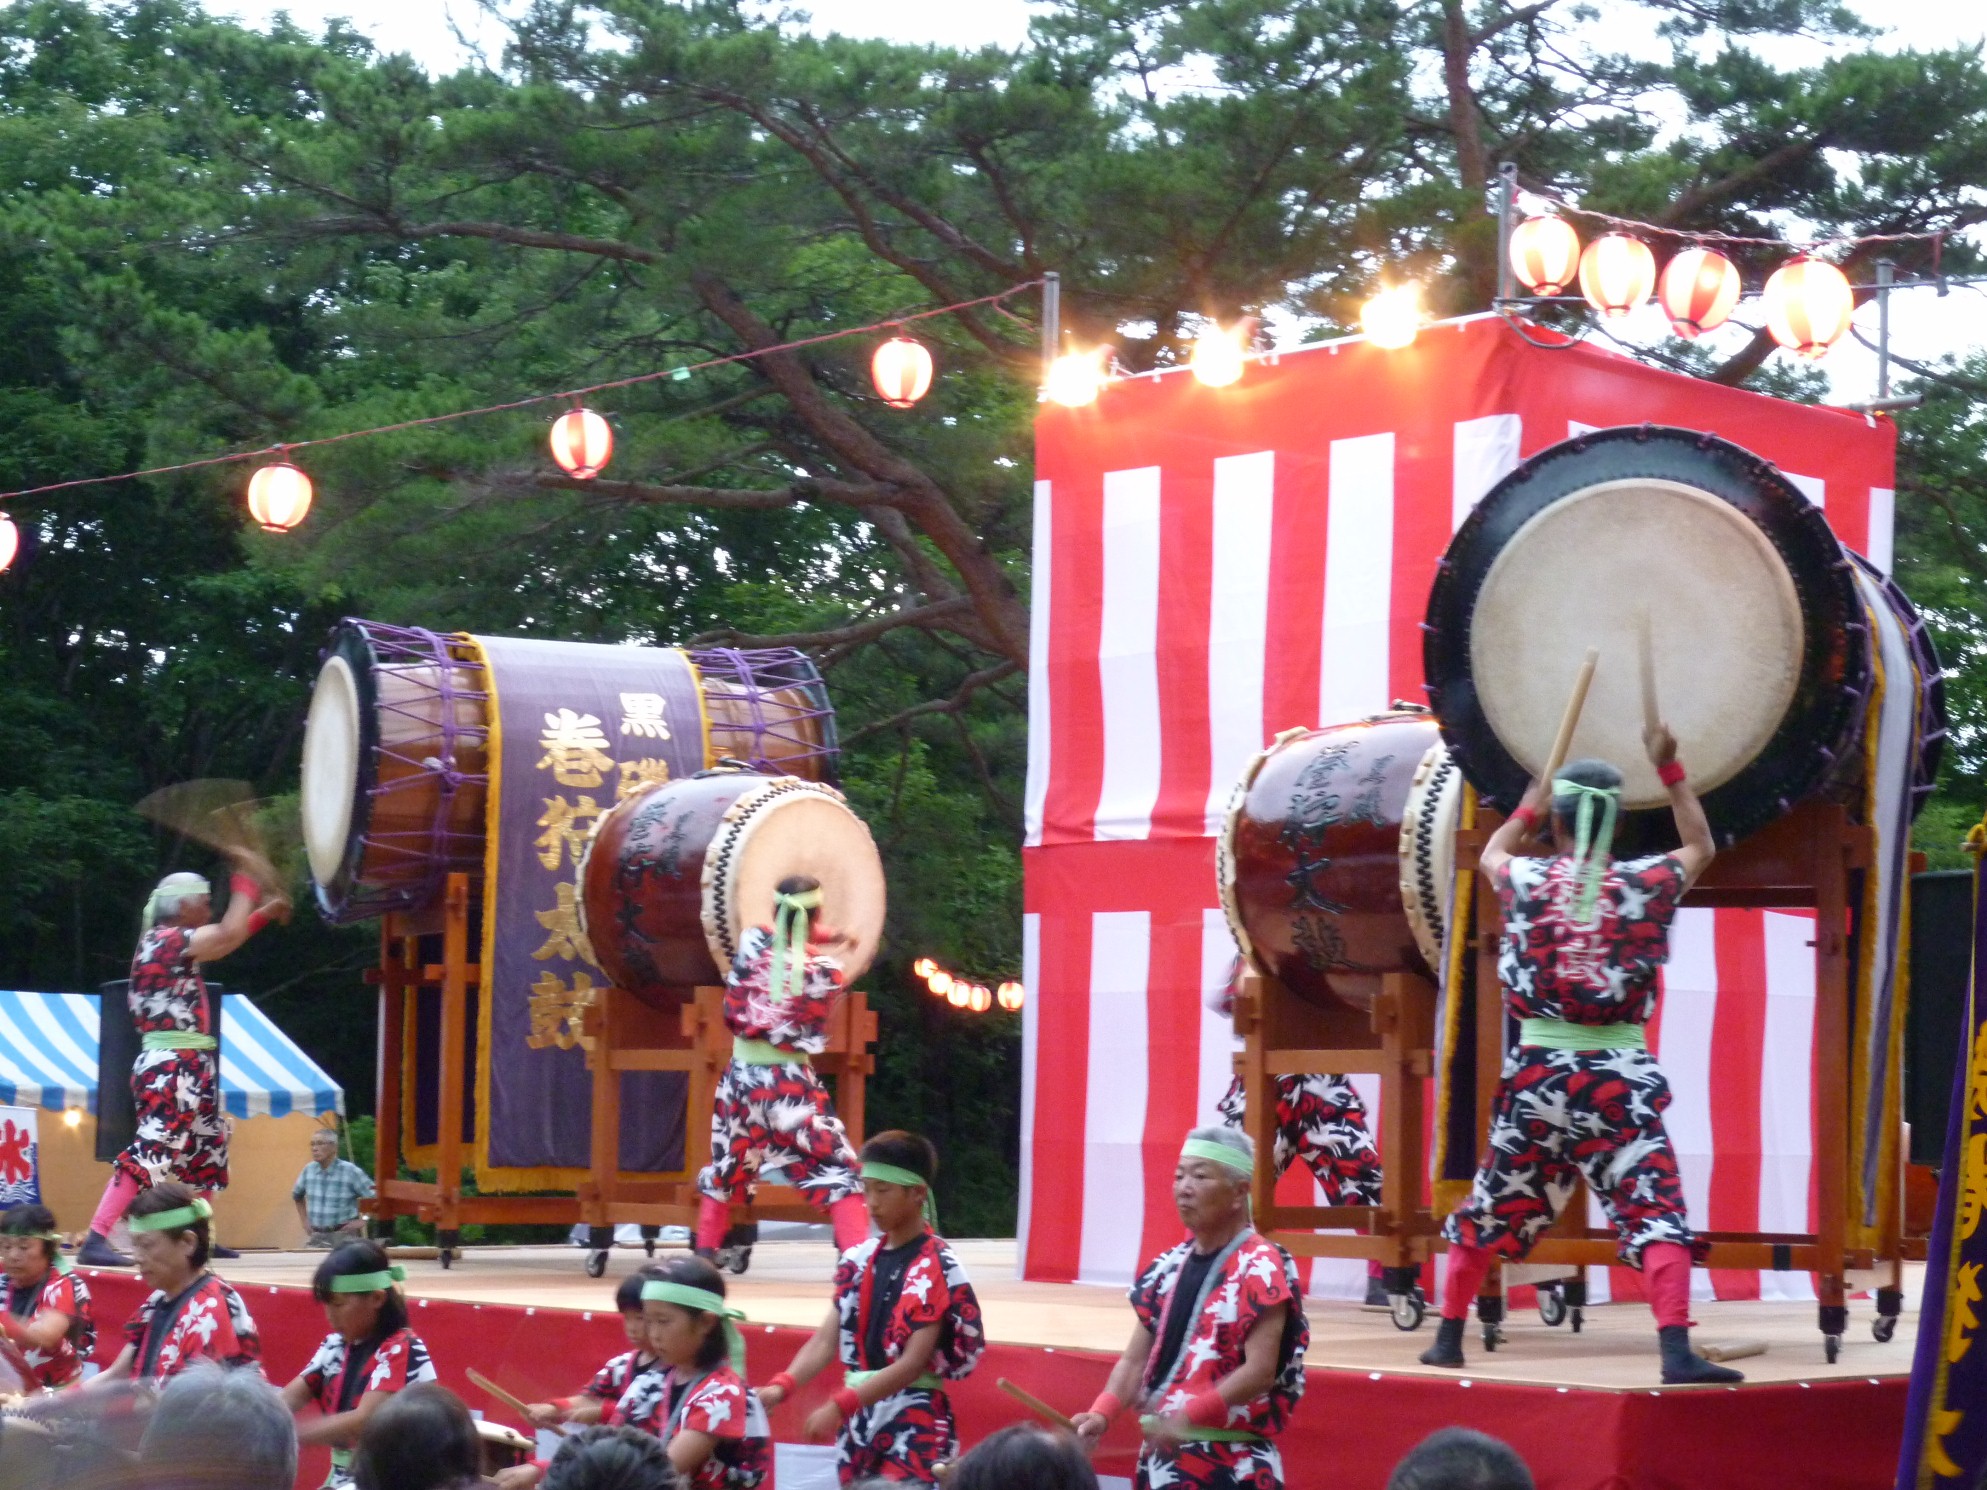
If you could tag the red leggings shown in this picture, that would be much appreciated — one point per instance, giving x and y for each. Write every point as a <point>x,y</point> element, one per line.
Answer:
<point>1665,1274</point>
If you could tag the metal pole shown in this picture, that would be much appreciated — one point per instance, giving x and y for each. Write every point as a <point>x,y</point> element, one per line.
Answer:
<point>1051,319</point>
<point>1886,272</point>
<point>1507,206</point>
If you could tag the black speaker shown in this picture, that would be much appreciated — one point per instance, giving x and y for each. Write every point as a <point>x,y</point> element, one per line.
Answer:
<point>1934,1027</point>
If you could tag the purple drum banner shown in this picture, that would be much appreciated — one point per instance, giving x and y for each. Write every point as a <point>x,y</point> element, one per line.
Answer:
<point>579,727</point>
<point>1945,1424</point>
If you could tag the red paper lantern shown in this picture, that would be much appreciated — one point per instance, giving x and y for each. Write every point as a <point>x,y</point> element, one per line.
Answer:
<point>1617,273</point>
<point>582,443</point>
<point>1011,996</point>
<point>1545,254</point>
<point>959,994</point>
<point>1808,305</point>
<point>10,542</point>
<point>278,496</point>
<point>1698,290</point>
<point>979,999</point>
<point>939,981</point>
<point>901,370</point>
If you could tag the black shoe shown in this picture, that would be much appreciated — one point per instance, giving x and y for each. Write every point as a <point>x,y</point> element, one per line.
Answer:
<point>224,1253</point>
<point>98,1253</point>
<point>1683,1366</point>
<point>1376,1296</point>
<point>1448,1347</point>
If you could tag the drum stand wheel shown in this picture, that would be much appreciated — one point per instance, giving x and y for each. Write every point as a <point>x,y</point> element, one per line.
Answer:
<point>1834,1323</point>
<point>649,1234</point>
<point>1890,1302</point>
<point>448,1247</point>
<point>735,1256</point>
<point>1552,1306</point>
<point>1490,1310</point>
<point>596,1263</point>
<point>1831,1347</point>
<point>1406,1303</point>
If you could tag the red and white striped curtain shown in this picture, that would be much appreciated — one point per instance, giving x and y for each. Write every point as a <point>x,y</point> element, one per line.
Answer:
<point>1212,566</point>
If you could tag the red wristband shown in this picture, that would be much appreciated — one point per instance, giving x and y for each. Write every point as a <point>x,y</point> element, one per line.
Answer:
<point>1107,1405</point>
<point>1526,818</point>
<point>244,884</point>
<point>564,1404</point>
<point>1670,772</point>
<point>1208,1410</point>
<point>783,1380</point>
<point>847,1403</point>
<point>256,921</point>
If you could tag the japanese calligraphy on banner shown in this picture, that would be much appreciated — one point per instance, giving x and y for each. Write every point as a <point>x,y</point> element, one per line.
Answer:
<point>20,1157</point>
<point>1945,1424</point>
<point>579,727</point>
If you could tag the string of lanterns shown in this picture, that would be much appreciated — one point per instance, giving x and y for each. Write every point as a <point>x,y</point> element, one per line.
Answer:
<point>962,994</point>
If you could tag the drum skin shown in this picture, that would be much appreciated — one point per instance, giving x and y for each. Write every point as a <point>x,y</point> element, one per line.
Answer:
<point>1309,858</point>
<point>1810,750</point>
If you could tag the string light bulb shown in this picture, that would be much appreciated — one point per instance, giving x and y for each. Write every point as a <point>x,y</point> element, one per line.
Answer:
<point>1218,355</point>
<point>1075,378</point>
<point>1545,254</point>
<point>10,542</point>
<point>582,443</point>
<point>1698,290</point>
<point>901,370</point>
<point>1617,273</point>
<point>278,496</point>
<point>1392,318</point>
<point>1808,305</point>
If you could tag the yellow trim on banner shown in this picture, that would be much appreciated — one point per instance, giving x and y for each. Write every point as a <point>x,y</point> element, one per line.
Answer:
<point>1864,986</point>
<point>703,706</point>
<point>1448,1194</point>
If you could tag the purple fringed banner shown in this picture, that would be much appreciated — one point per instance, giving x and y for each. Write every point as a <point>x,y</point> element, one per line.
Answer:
<point>1945,1424</point>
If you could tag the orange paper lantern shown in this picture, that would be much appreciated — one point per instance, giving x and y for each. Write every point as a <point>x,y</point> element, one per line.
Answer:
<point>1617,273</point>
<point>1545,254</point>
<point>582,443</point>
<point>10,542</point>
<point>901,370</point>
<point>1808,305</point>
<point>959,995</point>
<point>278,496</point>
<point>980,999</point>
<point>940,982</point>
<point>1011,996</point>
<point>1698,290</point>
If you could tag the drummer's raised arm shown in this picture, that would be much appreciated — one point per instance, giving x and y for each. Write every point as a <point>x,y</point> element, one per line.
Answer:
<point>1698,847</point>
<point>1527,821</point>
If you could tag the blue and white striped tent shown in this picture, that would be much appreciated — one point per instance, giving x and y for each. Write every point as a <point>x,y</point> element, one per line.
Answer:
<point>48,1058</point>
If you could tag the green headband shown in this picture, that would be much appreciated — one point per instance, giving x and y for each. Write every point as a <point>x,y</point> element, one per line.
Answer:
<point>892,1174</point>
<point>175,886</point>
<point>661,1291</point>
<point>368,1282</point>
<point>789,971</point>
<point>1218,1153</point>
<point>174,1220</point>
<point>1590,849</point>
<point>60,1263</point>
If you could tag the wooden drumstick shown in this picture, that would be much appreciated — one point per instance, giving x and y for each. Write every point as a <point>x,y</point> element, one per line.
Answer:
<point>478,1379</point>
<point>1652,715</point>
<point>1035,1404</point>
<point>1563,741</point>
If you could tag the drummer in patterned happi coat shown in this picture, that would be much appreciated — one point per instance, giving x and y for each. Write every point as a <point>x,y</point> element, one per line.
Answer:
<point>1216,1360</point>
<point>45,1308</point>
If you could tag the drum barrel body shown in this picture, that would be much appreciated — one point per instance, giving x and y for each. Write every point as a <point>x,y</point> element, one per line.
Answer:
<point>1310,858</point>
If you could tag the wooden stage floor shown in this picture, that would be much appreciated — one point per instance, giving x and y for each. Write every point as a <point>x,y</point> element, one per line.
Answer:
<point>788,1285</point>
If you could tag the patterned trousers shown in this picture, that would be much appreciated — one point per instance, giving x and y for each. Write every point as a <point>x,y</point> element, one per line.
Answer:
<point>1320,1119</point>
<point>182,1133</point>
<point>781,1114</point>
<point>1558,1113</point>
<point>905,1436</point>
<point>1202,1465</point>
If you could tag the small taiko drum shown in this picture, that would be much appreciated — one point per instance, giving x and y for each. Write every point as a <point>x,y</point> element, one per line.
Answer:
<point>1764,635</point>
<point>1337,853</point>
<point>674,874</point>
<point>502,1447</point>
<point>396,753</point>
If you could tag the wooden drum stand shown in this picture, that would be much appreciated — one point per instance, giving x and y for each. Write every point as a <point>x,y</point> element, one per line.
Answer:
<point>1285,1035</point>
<point>620,1034</point>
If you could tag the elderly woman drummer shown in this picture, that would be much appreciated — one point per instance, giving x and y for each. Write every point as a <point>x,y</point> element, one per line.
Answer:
<point>176,1081</point>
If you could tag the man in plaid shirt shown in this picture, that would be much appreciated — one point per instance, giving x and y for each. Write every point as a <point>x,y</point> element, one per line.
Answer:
<point>328,1193</point>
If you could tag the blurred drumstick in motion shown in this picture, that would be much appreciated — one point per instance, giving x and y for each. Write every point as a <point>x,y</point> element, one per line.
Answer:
<point>221,814</point>
<point>1570,721</point>
<point>478,1379</point>
<point>1035,1404</point>
<point>1652,715</point>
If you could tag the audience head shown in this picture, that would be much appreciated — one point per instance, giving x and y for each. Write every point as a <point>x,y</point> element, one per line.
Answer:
<point>324,1145</point>
<point>679,1331</point>
<point>1461,1459</point>
<point>356,1286</point>
<point>28,1244</point>
<point>1024,1456</point>
<point>219,1430</point>
<point>171,1232</point>
<point>600,1458</point>
<point>419,1439</point>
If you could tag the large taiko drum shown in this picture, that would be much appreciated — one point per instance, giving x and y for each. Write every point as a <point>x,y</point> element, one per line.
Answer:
<point>1337,856</point>
<point>673,875</point>
<point>1760,628</point>
<point>396,754</point>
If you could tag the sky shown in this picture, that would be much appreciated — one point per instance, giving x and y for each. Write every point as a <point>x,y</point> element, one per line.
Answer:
<point>1924,326</point>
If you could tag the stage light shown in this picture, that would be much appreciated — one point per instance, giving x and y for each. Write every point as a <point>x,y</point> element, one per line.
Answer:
<point>1808,305</point>
<point>1545,254</point>
<point>582,443</point>
<point>1075,378</point>
<point>278,496</point>
<point>1217,355</point>
<point>1617,273</point>
<point>72,1117</point>
<point>1011,996</point>
<point>1392,318</point>
<point>901,370</point>
<point>1698,290</point>
<point>10,542</point>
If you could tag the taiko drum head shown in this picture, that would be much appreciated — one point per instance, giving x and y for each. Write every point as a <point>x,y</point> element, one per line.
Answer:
<point>332,745</point>
<point>1757,636</point>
